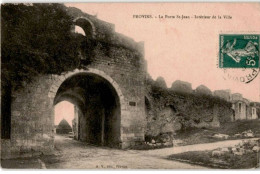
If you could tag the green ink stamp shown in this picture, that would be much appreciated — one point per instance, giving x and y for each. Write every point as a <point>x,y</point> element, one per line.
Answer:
<point>238,51</point>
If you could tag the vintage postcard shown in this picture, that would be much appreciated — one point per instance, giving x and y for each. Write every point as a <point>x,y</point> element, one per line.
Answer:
<point>130,86</point>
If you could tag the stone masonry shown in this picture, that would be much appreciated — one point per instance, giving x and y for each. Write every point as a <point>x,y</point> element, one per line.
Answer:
<point>117,59</point>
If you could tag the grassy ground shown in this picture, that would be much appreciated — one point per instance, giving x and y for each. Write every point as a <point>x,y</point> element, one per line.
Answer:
<point>240,126</point>
<point>197,136</point>
<point>227,161</point>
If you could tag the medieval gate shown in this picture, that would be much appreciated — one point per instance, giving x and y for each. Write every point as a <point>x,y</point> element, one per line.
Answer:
<point>109,91</point>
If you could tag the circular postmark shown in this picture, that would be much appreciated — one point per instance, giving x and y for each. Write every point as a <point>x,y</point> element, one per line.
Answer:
<point>245,75</point>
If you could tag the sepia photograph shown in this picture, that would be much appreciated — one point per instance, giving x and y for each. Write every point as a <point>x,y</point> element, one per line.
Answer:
<point>130,86</point>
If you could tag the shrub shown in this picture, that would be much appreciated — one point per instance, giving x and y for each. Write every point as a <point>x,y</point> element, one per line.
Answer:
<point>37,39</point>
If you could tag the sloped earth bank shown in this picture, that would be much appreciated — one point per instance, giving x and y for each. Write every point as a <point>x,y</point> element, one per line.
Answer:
<point>201,136</point>
<point>202,154</point>
<point>72,154</point>
<point>226,161</point>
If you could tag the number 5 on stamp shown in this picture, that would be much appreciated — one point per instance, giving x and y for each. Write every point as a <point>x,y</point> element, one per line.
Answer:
<point>238,51</point>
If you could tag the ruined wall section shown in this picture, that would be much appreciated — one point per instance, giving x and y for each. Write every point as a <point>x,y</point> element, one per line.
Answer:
<point>174,111</point>
<point>105,31</point>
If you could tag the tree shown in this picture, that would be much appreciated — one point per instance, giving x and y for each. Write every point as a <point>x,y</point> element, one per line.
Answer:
<point>36,39</point>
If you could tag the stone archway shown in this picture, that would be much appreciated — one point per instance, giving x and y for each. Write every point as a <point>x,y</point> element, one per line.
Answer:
<point>86,25</point>
<point>109,116</point>
<point>61,78</point>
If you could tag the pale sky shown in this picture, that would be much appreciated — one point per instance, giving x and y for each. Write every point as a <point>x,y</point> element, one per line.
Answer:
<point>64,110</point>
<point>184,49</point>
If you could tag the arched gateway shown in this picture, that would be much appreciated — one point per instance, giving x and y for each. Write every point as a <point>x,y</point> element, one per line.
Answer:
<point>108,93</point>
<point>61,78</point>
<point>99,101</point>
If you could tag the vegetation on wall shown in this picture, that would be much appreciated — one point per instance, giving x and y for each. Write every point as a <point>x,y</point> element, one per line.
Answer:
<point>158,91</point>
<point>190,108</point>
<point>37,39</point>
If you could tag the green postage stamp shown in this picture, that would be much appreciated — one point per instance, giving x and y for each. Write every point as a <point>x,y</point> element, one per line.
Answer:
<point>239,51</point>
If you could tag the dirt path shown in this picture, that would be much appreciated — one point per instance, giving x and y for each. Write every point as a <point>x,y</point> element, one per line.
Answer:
<point>196,147</point>
<point>72,154</point>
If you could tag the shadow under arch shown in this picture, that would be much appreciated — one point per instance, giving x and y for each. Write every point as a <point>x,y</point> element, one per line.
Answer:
<point>148,106</point>
<point>99,103</point>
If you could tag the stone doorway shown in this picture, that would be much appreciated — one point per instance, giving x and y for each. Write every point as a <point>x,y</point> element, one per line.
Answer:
<point>97,113</point>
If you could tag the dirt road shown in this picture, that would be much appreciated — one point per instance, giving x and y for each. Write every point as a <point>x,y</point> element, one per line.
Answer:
<point>72,154</point>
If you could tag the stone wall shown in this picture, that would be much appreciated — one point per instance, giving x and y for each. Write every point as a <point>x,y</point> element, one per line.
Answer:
<point>223,94</point>
<point>236,96</point>
<point>243,110</point>
<point>203,90</point>
<point>32,122</point>
<point>174,111</point>
<point>181,86</point>
<point>254,112</point>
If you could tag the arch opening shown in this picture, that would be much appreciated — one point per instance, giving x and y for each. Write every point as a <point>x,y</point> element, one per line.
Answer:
<point>85,32</point>
<point>147,106</point>
<point>148,109</point>
<point>86,25</point>
<point>64,116</point>
<point>97,110</point>
<point>79,30</point>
